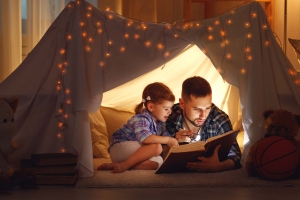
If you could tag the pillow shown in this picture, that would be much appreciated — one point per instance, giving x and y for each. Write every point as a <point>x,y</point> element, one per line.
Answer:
<point>114,118</point>
<point>100,142</point>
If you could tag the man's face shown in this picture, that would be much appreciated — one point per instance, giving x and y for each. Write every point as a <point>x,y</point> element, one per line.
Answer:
<point>197,109</point>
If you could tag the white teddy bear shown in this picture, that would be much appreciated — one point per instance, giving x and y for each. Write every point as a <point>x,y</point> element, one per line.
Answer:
<point>7,110</point>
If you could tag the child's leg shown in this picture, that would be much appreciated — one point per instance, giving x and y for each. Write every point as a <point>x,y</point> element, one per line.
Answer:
<point>141,154</point>
<point>151,164</point>
<point>107,166</point>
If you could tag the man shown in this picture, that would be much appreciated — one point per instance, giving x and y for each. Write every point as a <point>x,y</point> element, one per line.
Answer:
<point>196,118</point>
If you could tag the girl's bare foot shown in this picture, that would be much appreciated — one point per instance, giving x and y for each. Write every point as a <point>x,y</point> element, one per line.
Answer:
<point>119,168</point>
<point>107,166</point>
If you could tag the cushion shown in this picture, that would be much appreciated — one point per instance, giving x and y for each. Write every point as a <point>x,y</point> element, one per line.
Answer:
<point>100,142</point>
<point>114,118</point>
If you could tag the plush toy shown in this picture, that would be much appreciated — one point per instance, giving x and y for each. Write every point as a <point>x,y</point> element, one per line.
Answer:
<point>280,123</point>
<point>7,110</point>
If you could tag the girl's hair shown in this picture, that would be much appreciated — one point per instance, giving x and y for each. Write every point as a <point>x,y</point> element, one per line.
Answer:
<point>155,93</point>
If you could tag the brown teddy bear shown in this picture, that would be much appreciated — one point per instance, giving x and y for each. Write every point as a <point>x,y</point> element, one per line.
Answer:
<point>277,123</point>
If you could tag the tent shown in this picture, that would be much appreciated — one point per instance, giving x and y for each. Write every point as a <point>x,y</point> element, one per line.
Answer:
<point>87,52</point>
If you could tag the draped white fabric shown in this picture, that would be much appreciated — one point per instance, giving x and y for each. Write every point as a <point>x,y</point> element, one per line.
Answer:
<point>10,37</point>
<point>86,52</point>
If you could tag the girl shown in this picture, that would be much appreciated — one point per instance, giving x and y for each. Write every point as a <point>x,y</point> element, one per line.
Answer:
<point>137,144</point>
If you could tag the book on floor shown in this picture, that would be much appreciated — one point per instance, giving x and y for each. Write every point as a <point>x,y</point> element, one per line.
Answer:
<point>179,156</point>
<point>28,165</point>
<point>54,159</point>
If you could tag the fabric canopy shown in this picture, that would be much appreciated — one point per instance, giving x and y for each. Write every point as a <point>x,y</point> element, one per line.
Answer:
<point>86,52</point>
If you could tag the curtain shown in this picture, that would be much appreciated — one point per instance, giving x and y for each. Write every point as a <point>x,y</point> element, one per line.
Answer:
<point>41,14</point>
<point>10,37</point>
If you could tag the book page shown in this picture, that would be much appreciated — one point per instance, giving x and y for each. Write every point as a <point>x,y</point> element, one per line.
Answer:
<point>195,146</point>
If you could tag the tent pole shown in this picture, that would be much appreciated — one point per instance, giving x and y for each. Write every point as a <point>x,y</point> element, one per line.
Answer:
<point>285,26</point>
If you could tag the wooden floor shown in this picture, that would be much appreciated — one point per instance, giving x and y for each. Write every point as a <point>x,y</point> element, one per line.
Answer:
<point>222,193</point>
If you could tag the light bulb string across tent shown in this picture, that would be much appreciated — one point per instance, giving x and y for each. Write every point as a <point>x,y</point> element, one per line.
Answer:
<point>179,29</point>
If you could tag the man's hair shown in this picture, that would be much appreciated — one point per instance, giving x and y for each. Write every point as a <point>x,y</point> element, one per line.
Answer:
<point>196,86</point>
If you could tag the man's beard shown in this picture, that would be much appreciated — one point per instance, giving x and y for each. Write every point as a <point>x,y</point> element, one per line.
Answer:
<point>192,122</point>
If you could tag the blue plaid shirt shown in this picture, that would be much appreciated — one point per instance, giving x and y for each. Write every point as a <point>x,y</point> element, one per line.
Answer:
<point>138,128</point>
<point>216,123</point>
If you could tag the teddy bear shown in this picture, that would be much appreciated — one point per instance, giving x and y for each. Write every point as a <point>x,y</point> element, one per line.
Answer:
<point>281,123</point>
<point>7,110</point>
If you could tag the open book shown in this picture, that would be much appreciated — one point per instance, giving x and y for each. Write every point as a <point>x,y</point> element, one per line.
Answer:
<point>179,156</point>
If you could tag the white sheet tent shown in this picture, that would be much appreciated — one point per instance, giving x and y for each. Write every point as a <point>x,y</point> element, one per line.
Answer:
<point>86,52</point>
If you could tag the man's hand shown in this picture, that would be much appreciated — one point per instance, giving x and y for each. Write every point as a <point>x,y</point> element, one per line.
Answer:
<point>211,164</point>
<point>183,135</point>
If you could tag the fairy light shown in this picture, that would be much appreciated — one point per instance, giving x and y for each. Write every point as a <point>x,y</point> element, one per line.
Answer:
<point>136,36</point>
<point>60,124</point>
<point>160,46</point>
<point>253,14</point>
<point>265,27</point>
<point>90,8</point>
<point>99,30</point>
<point>267,43</point>
<point>69,37</point>
<point>59,135</point>
<point>62,51</point>
<point>81,23</point>
<point>107,54</point>
<point>147,43</point>
<point>107,9</point>
<point>98,24</point>
<point>210,37</point>
<point>229,22</point>
<point>110,42</point>
<point>68,102</point>
<point>102,64</point>
<point>217,22</point>
<point>88,15</point>
<point>176,35</point>
<point>122,49</point>
<point>63,150</point>
<point>126,35</point>
<point>249,35</point>
<point>65,116</point>
<point>209,28</point>
<point>222,33</point>
<point>84,34</point>
<point>59,66</point>
<point>197,24</point>
<point>247,49</point>
<point>243,71</point>
<point>67,91</point>
<point>110,16</point>
<point>247,24</point>
<point>292,72</point>
<point>249,57</point>
<point>228,56</point>
<point>166,54</point>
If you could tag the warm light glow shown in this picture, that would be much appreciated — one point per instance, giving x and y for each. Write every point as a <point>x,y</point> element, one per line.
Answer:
<point>220,70</point>
<point>81,23</point>
<point>247,49</point>
<point>229,21</point>
<point>126,35</point>
<point>60,66</point>
<point>90,8</point>
<point>99,30</point>
<point>63,150</point>
<point>228,56</point>
<point>67,91</point>
<point>69,37</point>
<point>68,102</point>
<point>107,9</point>
<point>217,22</point>
<point>160,46</point>
<point>98,24</point>
<point>65,116</point>
<point>166,54</point>
<point>110,42</point>
<point>60,124</point>
<point>88,14</point>
<point>58,87</point>
<point>59,135</point>
<point>247,24</point>
<point>243,71</point>
<point>78,2</point>
<point>249,57</point>
<point>210,37</point>
<point>110,16</point>
<point>107,54</point>
<point>101,64</point>
<point>264,26</point>
<point>297,82</point>
<point>87,48</point>
<point>84,34</point>
<point>136,36</point>
<point>122,49</point>
<point>267,43</point>
<point>58,82</point>
<point>148,43</point>
<point>60,110</point>
<point>292,72</point>
<point>90,39</point>
<point>209,28</point>
<point>176,35</point>
<point>249,35</point>
<point>62,51</point>
<point>223,33</point>
<point>197,24</point>
<point>253,14</point>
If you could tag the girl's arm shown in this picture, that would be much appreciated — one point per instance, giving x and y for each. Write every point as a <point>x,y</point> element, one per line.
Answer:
<point>170,141</point>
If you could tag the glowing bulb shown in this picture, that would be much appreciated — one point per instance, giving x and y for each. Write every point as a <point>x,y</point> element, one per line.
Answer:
<point>107,54</point>
<point>60,66</point>
<point>243,71</point>
<point>87,48</point>
<point>101,64</point>
<point>126,35</point>
<point>90,39</point>
<point>84,34</point>
<point>62,51</point>
<point>110,16</point>
<point>69,37</point>
<point>58,87</point>
<point>81,23</point>
<point>297,82</point>
<point>247,24</point>
<point>209,28</point>
<point>264,26</point>
<point>167,54</point>
<point>148,43</point>
<point>136,36</point>
<point>90,8</point>
<point>160,46</point>
<point>65,116</point>
<point>107,9</point>
<point>67,91</point>
<point>99,30</point>
<point>58,82</point>
<point>220,70</point>
<point>60,110</point>
<point>122,49</point>
<point>98,24</point>
<point>210,37</point>
<point>229,21</point>
<point>217,22</point>
<point>291,72</point>
<point>249,35</point>
<point>176,35</point>
<point>58,135</point>
<point>267,43</point>
<point>63,150</point>
<point>110,42</point>
<point>68,102</point>
<point>197,24</point>
<point>223,33</point>
<point>78,2</point>
<point>247,49</point>
<point>253,14</point>
<point>60,124</point>
<point>228,56</point>
<point>249,57</point>
<point>88,14</point>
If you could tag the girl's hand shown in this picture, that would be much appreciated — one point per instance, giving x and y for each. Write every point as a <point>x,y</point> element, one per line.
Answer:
<point>172,142</point>
<point>183,135</point>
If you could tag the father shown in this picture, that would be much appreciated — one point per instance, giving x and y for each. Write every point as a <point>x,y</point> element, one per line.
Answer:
<point>196,117</point>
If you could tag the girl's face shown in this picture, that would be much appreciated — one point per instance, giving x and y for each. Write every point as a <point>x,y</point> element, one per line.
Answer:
<point>161,111</point>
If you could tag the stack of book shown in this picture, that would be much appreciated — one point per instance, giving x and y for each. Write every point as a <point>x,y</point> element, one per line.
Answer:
<point>52,168</point>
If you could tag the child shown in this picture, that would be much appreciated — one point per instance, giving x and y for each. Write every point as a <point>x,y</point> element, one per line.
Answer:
<point>137,144</point>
